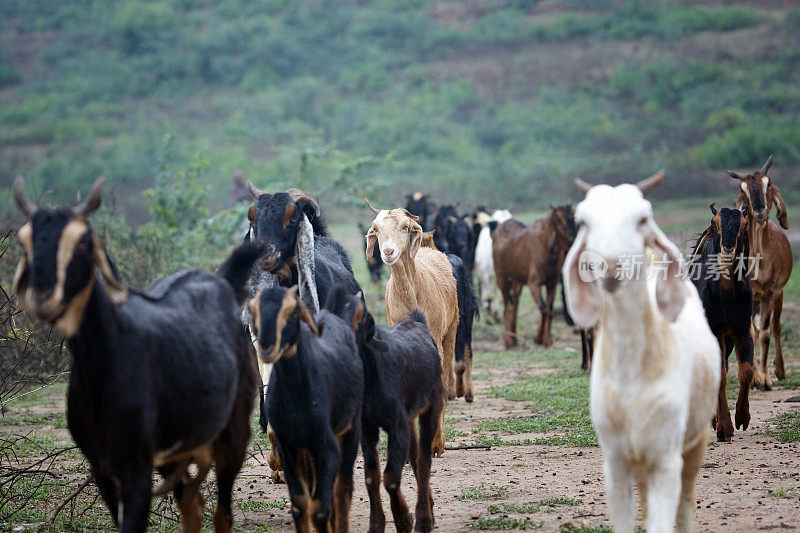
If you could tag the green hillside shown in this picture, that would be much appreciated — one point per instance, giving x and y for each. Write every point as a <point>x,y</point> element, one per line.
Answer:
<point>498,102</point>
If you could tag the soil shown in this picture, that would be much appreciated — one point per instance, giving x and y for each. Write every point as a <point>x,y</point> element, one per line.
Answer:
<point>732,487</point>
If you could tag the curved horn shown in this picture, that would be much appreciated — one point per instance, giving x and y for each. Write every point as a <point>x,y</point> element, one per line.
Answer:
<point>255,192</point>
<point>25,204</point>
<point>582,185</point>
<point>766,166</point>
<point>92,200</point>
<point>299,195</point>
<point>713,209</point>
<point>370,206</point>
<point>648,184</point>
<point>736,175</point>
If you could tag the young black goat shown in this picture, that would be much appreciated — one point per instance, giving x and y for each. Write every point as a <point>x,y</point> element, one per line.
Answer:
<point>158,379</point>
<point>723,282</point>
<point>374,263</point>
<point>467,311</point>
<point>313,404</point>
<point>403,382</point>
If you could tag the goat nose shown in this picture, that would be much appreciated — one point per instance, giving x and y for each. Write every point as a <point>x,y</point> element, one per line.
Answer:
<point>388,251</point>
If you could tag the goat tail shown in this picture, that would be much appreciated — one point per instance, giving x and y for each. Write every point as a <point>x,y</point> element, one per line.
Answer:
<point>236,269</point>
<point>418,316</point>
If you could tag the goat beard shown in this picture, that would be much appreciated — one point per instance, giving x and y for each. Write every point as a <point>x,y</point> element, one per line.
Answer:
<point>304,253</point>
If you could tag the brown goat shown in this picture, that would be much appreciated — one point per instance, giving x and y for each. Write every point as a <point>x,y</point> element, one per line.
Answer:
<point>533,256</point>
<point>421,278</point>
<point>771,246</point>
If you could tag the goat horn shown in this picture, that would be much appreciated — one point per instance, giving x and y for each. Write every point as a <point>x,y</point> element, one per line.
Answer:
<point>766,166</point>
<point>713,209</point>
<point>582,185</point>
<point>25,204</point>
<point>92,200</point>
<point>299,195</point>
<point>736,175</point>
<point>370,206</point>
<point>255,192</point>
<point>648,184</point>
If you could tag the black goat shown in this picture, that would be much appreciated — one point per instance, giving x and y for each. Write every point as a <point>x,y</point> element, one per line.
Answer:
<point>723,282</point>
<point>299,252</point>
<point>453,235</point>
<point>313,403</point>
<point>403,381</point>
<point>419,204</point>
<point>467,311</point>
<point>158,379</point>
<point>374,263</point>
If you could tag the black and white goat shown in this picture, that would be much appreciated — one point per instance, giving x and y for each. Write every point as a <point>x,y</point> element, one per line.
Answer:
<point>722,254</point>
<point>160,379</point>
<point>403,382</point>
<point>313,403</point>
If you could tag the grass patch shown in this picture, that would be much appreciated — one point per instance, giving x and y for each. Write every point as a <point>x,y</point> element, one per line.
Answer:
<point>57,420</point>
<point>483,492</point>
<point>533,507</point>
<point>259,506</point>
<point>782,492</point>
<point>785,426</point>
<point>587,529</point>
<point>498,523</point>
<point>560,403</point>
<point>792,380</point>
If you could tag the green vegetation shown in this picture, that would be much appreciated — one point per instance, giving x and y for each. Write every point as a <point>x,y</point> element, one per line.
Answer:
<point>588,529</point>
<point>497,523</point>
<point>782,492</point>
<point>546,505</point>
<point>559,403</point>
<point>785,426</point>
<point>259,506</point>
<point>325,94</point>
<point>483,492</point>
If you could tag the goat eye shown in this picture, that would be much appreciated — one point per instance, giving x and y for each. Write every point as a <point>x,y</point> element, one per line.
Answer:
<point>643,221</point>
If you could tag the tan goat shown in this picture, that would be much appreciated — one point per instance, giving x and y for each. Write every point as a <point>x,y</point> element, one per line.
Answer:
<point>421,278</point>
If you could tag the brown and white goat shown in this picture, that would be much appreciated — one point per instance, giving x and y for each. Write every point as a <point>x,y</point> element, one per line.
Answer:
<point>421,278</point>
<point>774,255</point>
<point>533,256</point>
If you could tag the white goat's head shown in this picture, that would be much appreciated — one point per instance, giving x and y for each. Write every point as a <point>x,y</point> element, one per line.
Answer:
<point>615,226</point>
<point>395,231</point>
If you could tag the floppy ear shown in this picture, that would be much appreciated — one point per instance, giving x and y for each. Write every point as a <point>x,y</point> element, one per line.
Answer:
<point>20,283</point>
<point>670,286</point>
<point>372,238</point>
<point>780,206</point>
<point>114,288</point>
<point>306,264</point>
<point>582,299</point>
<point>416,239</point>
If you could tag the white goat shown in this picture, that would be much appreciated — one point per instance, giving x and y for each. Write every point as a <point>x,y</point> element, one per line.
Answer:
<point>484,263</point>
<point>656,364</point>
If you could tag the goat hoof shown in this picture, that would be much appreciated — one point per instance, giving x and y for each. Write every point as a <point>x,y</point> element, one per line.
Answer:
<point>780,373</point>
<point>424,524</point>
<point>404,523</point>
<point>468,397</point>
<point>722,437</point>
<point>277,477</point>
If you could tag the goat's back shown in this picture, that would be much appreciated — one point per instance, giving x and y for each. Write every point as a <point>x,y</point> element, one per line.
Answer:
<point>182,334</point>
<point>774,258</point>
<point>518,250</point>
<point>434,293</point>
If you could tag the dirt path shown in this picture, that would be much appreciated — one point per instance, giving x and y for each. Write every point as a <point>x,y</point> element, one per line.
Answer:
<point>732,489</point>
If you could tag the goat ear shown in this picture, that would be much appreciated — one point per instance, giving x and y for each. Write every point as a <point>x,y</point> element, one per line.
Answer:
<point>581,296</point>
<point>114,288</point>
<point>305,316</point>
<point>780,206</point>
<point>251,213</point>
<point>372,238</point>
<point>492,225</point>
<point>416,239</point>
<point>670,285</point>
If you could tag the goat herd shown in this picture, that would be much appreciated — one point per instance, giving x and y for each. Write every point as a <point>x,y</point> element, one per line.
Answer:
<point>166,378</point>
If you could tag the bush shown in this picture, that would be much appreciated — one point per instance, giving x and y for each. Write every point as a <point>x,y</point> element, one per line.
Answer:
<point>137,25</point>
